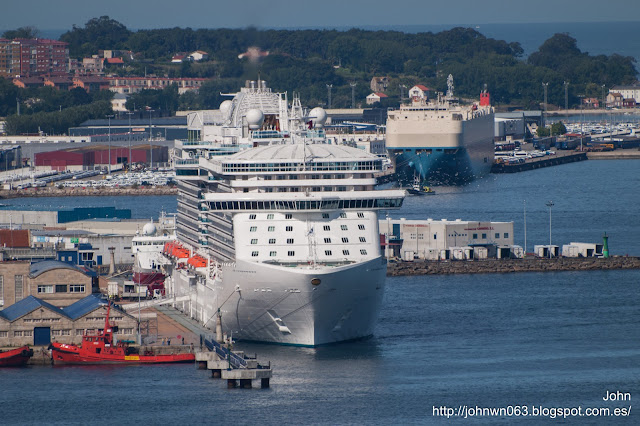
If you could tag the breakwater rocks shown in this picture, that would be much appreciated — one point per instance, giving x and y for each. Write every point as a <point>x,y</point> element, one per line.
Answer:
<point>491,266</point>
<point>88,191</point>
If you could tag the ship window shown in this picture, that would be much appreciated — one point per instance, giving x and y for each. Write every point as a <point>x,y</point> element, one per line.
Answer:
<point>289,240</point>
<point>327,252</point>
<point>270,216</point>
<point>327,240</point>
<point>343,227</point>
<point>475,236</point>
<point>345,252</point>
<point>272,240</point>
<point>328,188</point>
<point>289,228</point>
<point>273,253</point>
<point>271,228</point>
<point>506,235</point>
<point>361,227</point>
<point>253,229</point>
<point>343,215</point>
<point>288,216</point>
<point>326,228</point>
<point>345,240</point>
<point>252,216</point>
<point>291,253</point>
<point>254,241</point>
<point>361,215</point>
<point>254,254</point>
<point>363,240</point>
<point>325,215</point>
<point>363,252</point>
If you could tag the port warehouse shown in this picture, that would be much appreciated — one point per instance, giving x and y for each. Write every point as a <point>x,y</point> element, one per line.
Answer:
<point>88,157</point>
<point>444,239</point>
<point>82,236</point>
<point>464,240</point>
<point>38,320</point>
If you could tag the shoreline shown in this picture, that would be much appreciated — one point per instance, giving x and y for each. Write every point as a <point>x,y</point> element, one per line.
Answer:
<point>87,192</point>
<point>493,266</point>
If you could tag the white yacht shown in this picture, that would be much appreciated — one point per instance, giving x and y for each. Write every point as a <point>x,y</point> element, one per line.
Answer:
<point>281,238</point>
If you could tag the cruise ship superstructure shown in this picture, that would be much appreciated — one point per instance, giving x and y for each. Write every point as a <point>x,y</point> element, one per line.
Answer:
<point>286,232</point>
<point>440,140</point>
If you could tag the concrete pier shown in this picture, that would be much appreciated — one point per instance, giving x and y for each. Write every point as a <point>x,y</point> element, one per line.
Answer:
<point>234,372</point>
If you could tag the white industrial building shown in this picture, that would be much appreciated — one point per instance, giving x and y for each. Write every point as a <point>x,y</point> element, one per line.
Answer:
<point>445,239</point>
<point>582,250</point>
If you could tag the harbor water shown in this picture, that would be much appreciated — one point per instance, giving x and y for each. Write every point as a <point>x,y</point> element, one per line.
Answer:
<point>538,340</point>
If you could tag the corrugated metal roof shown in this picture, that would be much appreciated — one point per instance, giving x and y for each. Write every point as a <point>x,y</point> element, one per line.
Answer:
<point>84,306</point>
<point>26,306</point>
<point>14,238</point>
<point>48,265</point>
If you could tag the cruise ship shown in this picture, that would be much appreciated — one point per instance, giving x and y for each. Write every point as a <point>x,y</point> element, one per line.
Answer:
<point>440,141</point>
<point>277,228</point>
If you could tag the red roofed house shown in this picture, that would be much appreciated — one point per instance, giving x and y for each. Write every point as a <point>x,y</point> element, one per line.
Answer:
<point>59,82</point>
<point>375,97</point>
<point>419,93</point>
<point>28,82</point>
<point>91,83</point>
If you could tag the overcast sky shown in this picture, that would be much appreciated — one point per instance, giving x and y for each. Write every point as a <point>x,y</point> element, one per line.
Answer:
<point>141,14</point>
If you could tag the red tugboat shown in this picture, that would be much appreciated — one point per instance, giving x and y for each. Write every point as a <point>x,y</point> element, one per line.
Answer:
<point>16,357</point>
<point>100,349</point>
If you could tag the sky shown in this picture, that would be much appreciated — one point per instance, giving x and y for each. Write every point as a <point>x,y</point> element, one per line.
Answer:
<point>143,14</point>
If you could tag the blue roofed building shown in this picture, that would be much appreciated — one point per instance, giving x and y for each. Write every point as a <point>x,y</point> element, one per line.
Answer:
<point>33,321</point>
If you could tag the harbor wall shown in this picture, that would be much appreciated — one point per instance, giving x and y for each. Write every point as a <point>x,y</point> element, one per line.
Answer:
<point>529,264</point>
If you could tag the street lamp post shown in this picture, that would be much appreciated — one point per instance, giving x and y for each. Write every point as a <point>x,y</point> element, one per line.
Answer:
<point>110,117</point>
<point>150,146</point>
<point>130,162</point>
<point>329,86</point>
<point>544,86</point>
<point>550,204</point>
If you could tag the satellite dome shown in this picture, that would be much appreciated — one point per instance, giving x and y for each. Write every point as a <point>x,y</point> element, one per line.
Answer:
<point>225,108</point>
<point>149,229</point>
<point>318,116</point>
<point>255,117</point>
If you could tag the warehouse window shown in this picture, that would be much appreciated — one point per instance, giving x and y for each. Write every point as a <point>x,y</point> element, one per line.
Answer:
<point>76,288</point>
<point>506,235</point>
<point>497,235</point>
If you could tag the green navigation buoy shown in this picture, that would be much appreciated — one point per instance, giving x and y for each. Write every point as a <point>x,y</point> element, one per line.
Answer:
<point>605,245</point>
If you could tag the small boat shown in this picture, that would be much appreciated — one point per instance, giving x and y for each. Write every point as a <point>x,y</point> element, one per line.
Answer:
<point>418,189</point>
<point>99,348</point>
<point>15,357</point>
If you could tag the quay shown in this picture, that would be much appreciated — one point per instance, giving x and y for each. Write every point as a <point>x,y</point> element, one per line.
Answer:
<point>493,266</point>
<point>537,163</point>
<point>88,191</point>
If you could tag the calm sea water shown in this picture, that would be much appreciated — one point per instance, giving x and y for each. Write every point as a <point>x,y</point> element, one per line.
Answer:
<point>492,340</point>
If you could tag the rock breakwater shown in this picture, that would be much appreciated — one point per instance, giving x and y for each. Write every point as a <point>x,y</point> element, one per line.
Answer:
<point>491,266</point>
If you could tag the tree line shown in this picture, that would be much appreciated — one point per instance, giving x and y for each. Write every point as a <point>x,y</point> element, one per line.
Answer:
<point>306,61</point>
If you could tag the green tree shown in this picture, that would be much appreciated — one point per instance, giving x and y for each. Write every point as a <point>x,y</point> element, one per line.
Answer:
<point>558,128</point>
<point>543,132</point>
<point>22,32</point>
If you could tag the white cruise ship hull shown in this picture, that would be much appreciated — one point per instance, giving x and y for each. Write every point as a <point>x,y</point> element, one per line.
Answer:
<point>275,304</point>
